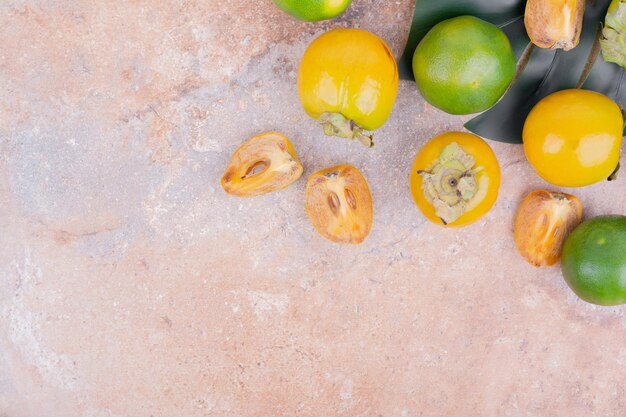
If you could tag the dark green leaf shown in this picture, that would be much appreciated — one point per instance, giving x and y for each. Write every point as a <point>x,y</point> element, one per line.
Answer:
<point>550,71</point>
<point>540,71</point>
<point>430,12</point>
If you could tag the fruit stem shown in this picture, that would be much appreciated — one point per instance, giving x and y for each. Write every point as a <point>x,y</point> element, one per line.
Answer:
<point>336,124</point>
<point>613,176</point>
<point>613,40</point>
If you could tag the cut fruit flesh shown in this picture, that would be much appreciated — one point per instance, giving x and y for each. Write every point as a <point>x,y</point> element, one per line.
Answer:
<point>263,164</point>
<point>339,204</point>
<point>543,222</point>
<point>554,23</point>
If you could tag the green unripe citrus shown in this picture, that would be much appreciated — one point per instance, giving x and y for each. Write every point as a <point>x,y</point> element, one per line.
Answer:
<point>313,10</point>
<point>594,260</point>
<point>464,65</point>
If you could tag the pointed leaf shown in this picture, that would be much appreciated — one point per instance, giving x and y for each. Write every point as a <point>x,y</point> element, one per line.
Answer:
<point>549,71</point>
<point>540,71</point>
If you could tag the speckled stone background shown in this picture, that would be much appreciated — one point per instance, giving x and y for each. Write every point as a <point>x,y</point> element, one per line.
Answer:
<point>131,285</point>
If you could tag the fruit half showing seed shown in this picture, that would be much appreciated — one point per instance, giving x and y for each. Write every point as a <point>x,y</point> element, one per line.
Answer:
<point>543,222</point>
<point>339,204</point>
<point>554,24</point>
<point>263,164</point>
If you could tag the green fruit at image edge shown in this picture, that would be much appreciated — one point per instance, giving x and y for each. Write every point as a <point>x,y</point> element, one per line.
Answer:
<point>313,10</point>
<point>464,65</point>
<point>594,260</point>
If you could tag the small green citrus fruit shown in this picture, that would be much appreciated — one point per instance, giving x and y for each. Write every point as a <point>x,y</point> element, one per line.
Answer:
<point>313,10</point>
<point>594,260</point>
<point>464,65</point>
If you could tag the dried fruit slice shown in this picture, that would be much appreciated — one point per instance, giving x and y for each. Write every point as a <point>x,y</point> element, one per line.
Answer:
<point>543,222</point>
<point>339,204</point>
<point>263,164</point>
<point>554,23</point>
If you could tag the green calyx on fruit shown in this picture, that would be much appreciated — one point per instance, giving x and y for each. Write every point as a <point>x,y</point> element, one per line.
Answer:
<point>335,124</point>
<point>594,260</point>
<point>613,40</point>
<point>450,183</point>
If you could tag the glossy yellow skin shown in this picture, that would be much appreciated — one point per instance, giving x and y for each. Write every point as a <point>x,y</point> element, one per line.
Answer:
<point>352,72</point>
<point>488,176</point>
<point>573,137</point>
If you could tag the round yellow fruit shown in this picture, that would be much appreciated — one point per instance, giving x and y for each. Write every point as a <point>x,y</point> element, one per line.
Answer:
<point>572,138</point>
<point>455,179</point>
<point>348,81</point>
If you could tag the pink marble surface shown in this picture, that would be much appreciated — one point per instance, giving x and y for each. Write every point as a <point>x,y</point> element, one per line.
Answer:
<point>131,285</point>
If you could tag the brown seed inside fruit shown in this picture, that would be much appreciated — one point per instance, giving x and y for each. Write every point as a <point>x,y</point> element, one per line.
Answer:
<point>543,222</point>
<point>339,204</point>
<point>256,168</point>
<point>350,199</point>
<point>333,202</point>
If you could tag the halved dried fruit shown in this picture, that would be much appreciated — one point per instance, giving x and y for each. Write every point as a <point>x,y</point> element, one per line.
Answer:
<point>339,204</point>
<point>543,222</point>
<point>263,164</point>
<point>554,23</point>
